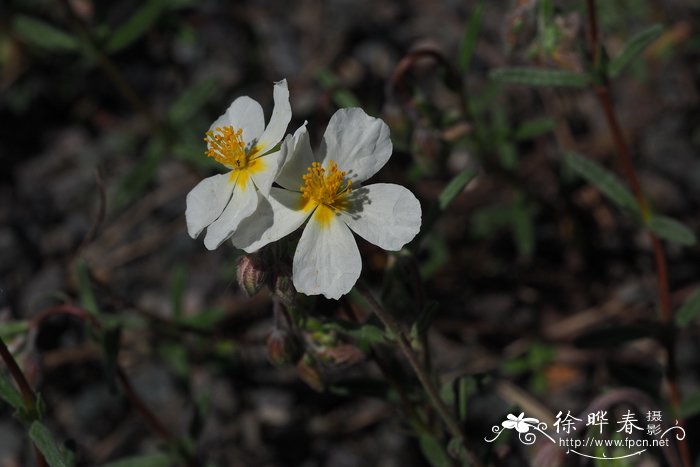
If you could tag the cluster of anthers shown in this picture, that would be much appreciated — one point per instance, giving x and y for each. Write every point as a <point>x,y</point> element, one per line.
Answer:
<point>325,186</point>
<point>227,147</point>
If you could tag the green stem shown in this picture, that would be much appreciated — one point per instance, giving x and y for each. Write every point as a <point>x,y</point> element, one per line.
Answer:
<point>28,396</point>
<point>394,328</point>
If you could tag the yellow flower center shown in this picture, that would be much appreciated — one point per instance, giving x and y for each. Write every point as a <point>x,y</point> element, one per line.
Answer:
<point>325,186</point>
<point>227,147</point>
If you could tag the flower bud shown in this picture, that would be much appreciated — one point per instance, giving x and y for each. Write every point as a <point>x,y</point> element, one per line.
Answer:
<point>307,371</point>
<point>284,289</point>
<point>344,354</point>
<point>283,347</point>
<point>251,274</point>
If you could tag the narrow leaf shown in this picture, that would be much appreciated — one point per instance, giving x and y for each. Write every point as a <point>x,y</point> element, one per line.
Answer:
<point>150,460</point>
<point>433,451</point>
<point>634,48</point>
<point>455,187</point>
<point>44,441</point>
<point>177,291</point>
<point>690,405</point>
<point>425,318</point>
<point>136,26</point>
<point>10,394</point>
<point>534,128</point>
<point>471,33</point>
<point>603,179</point>
<point>43,35</point>
<point>365,335</point>
<point>689,310</point>
<point>10,329</point>
<point>540,77</point>
<point>341,96</point>
<point>87,297</point>
<point>671,230</point>
<point>523,229</point>
<point>191,101</point>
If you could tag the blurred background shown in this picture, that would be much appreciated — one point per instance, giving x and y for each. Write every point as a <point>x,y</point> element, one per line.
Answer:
<point>544,291</point>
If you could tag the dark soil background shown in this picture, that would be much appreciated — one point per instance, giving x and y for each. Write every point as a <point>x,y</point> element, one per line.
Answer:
<point>525,316</point>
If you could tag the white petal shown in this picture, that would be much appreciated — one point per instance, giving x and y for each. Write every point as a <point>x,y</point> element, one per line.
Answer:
<point>298,158</point>
<point>206,201</point>
<point>243,203</point>
<point>270,168</point>
<point>246,114</point>
<point>281,115</point>
<point>327,260</point>
<point>358,143</point>
<point>385,214</point>
<point>276,216</point>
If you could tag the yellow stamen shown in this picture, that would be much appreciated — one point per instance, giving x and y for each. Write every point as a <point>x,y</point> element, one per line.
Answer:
<point>325,186</point>
<point>227,147</point>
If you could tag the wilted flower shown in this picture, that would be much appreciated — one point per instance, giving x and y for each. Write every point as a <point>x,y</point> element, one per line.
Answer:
<point>325,189</point>
<point>239,141</point>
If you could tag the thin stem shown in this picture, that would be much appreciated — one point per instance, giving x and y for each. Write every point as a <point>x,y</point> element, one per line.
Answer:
<point>139,405</point>
<point>27,393</point>
<point>28,396</point>
<point>593,30</point>
<point>393,326</point>
<point>110,69</point>
<point>623,153</point>
<point>602,92</point>
<point>149,417</point>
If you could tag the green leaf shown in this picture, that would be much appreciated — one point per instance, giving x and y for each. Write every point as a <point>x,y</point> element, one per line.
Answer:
<point>341,96</point>
<point>433,451</point>
<point>454,188</point>
<point>44,441</point>
<point>205,319</point>
<point>43,35</point>
<point>603,179</point>
<point>448,194</point>
<point>10,329</point>
<point>689,310</point>
<point>365,335</point>
<point>523,228</point>
<point>136,26</point>
<point>177,292</point>
<point>191,101</point>
<point>534,128</point>
<point>471,33</point>
<point>110,339</point>
<point>10,394</point>
<point>671,230</point>
<point>540,77</point>
<point>690,405</point>
<point>87,297</point>
<point>149,460</point>
<point>136,182</point>
<point>425,318</point>
<point>466,387</point>
<point>633,48</point>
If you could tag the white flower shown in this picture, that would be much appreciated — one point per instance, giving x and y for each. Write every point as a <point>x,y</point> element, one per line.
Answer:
<point>239,140</point>
<point>325,189</point>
